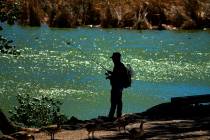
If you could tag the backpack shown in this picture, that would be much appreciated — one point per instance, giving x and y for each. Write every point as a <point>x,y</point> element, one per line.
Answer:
<point>128,76</point>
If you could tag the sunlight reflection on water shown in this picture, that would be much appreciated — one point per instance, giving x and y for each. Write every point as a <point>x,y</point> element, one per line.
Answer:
<point>65,64</point>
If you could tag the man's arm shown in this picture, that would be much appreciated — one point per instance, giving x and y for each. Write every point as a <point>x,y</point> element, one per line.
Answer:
<point>108,74</point>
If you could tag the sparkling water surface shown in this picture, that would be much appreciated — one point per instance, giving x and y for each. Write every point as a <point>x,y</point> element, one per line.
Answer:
<point>67,64</point>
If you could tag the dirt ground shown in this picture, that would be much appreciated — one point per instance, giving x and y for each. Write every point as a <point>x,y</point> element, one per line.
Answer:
<point>153,130</point>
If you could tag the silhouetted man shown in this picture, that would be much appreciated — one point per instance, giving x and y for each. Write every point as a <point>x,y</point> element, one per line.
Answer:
<point>117,82</point>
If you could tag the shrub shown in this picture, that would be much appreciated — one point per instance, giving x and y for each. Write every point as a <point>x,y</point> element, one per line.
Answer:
<point>9,11</point>
<point>7,47</point>
<point>37,111</point>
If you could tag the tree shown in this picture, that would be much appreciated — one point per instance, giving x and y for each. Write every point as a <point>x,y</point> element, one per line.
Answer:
<point>6,126</point>
<point>9,12</point>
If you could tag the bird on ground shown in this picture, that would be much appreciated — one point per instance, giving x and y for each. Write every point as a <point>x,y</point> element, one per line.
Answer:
<point>137,133</point>
<point>121,123</point>
<point>52,130</point>
<point>91,128</point>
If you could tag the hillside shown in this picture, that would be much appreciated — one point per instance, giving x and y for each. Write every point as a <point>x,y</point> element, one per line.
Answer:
<point>134,14</point>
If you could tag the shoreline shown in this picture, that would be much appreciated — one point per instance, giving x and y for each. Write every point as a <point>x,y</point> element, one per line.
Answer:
<point>157,125</point>
<point>160,122</point>
<point>170,28</point>
<point>153,129</point>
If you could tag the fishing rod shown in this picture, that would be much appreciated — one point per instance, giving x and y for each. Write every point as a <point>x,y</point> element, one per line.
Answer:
<point>85,54</point>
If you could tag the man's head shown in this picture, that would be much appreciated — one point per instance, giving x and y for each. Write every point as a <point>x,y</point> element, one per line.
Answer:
<point>116,57</point>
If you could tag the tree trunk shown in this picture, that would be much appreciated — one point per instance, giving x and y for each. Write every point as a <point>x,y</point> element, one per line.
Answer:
<point>6,126</point>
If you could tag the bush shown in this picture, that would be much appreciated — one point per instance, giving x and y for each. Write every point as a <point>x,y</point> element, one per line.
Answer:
<point>9,11</point>
<point>7,47</point>
<point>37,111</point>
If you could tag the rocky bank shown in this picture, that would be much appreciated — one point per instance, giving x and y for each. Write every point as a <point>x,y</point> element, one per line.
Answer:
<point>164,121</point>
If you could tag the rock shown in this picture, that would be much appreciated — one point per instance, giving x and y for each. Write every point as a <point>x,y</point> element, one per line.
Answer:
<point>30,130</point>
<point>72,127</point>
<point>176,111</point>
<point>104,118</point>
<point>73,120</point>
<point>6,137</point>
<point>22,135</point>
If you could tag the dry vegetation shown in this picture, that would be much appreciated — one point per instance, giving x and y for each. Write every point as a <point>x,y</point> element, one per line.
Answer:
<point>138,14</point>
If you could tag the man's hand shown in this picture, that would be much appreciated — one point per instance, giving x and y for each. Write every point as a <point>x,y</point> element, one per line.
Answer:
<point>108,74</point>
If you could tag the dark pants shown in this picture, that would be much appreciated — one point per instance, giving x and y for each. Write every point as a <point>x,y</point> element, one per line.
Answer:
<point>116,102</point>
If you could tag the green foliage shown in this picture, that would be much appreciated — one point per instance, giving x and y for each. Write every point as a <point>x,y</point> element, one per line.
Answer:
<point>37,111</point>
<point>9,11</point>
<point>7,47</point>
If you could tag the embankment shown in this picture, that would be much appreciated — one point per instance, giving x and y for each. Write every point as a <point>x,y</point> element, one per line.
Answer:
<point>134,14</point>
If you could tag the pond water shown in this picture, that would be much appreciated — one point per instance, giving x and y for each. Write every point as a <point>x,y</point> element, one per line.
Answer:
<point>66,64</point>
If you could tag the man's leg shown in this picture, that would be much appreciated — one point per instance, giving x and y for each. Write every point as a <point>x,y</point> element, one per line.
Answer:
<point>113,105</point>
<point>112,110</point>
<point>119,105</point>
